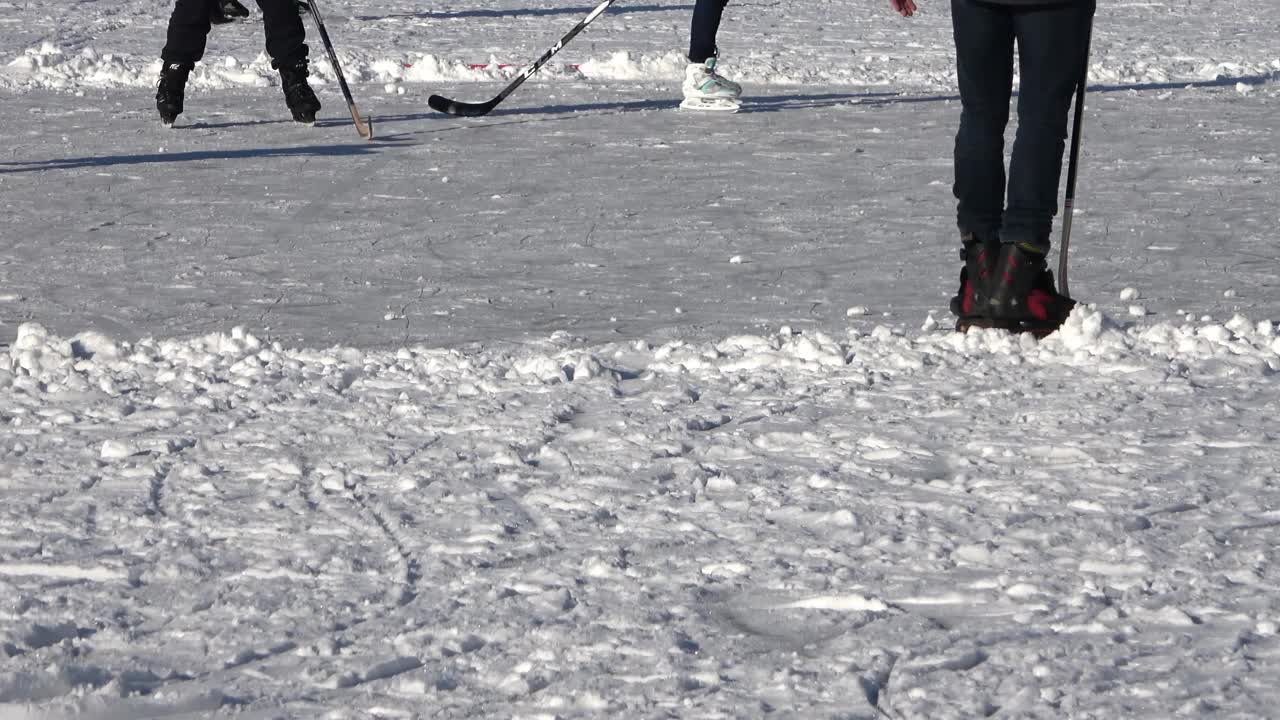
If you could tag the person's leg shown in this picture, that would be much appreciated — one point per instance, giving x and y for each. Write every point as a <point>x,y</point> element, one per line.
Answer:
<point>1052,53</point>
<point>286,38</point>
<point>984,68</point>
<point>184,46</point>
<point>704,88</point>
<point>282,23</point>
<point>703,29</point>
<point>187,33</point>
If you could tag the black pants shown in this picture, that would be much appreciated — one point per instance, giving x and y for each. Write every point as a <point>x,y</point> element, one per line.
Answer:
<point>1053,48</point>
<point>702,32</point>
<point>189,27</point>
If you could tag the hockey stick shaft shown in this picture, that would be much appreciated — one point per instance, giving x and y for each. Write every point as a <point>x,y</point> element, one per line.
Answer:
<point>455,108</point>
<point>1068,205</point>
<point>363,126</point>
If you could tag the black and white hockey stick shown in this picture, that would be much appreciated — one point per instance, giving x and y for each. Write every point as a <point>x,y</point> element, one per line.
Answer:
<point>1077,124</point>
<point>466,109</point>
<point>365,126</point>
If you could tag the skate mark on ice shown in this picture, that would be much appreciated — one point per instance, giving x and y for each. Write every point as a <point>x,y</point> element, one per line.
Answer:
<point>1224,535</point>
<point>782,103</point>
<point>376,522</point>
<point>54,495</point>
<point>155,492</point>
<point>316,657</point>
<point>411,569</point>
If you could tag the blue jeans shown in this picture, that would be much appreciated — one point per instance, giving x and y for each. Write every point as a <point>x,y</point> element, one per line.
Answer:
<point>1053,48</point>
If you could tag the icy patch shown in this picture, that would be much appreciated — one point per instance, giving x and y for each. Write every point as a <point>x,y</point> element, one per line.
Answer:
<point>851,602</point>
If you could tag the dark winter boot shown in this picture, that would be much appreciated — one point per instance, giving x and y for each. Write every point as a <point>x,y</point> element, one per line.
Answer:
<point>169,91</point>
<point>979,258</point>
<point>1023,292</point>
<point>298,95</point>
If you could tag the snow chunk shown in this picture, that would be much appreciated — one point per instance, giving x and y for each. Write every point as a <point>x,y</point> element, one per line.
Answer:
<point>115,450</point>
<point>390,668</point>
<point>978,553</point>
<point>541,367</point>
<point>724,570</point>
<point>1164,616</point>
<point>1022,591</point>
<point>842,518</point>
<point>1101,567</point>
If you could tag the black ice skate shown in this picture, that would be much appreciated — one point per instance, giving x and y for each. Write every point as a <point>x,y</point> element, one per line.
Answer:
<point>169,91</point>
<point>298,95</point>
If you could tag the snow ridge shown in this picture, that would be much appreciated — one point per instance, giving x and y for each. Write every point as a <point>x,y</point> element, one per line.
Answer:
<point>49,66</point>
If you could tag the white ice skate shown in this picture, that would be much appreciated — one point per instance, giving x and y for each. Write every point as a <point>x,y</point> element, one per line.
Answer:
<point>705,89</point>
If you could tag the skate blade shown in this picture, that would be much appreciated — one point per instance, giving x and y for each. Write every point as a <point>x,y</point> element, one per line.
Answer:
<point>724,105</point>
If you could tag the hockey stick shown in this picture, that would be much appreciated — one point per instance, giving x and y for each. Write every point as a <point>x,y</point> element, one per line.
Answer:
<point>1068,205</point>
<point>365,126</point>
<point>465,109</point>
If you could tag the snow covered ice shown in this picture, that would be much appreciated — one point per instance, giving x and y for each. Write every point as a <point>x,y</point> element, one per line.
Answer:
<point>591,408</point>
<point>798,521</point>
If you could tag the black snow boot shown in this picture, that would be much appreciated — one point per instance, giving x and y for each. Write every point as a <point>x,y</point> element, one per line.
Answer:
<point>979,256</point>
<point>1023,294</point>
<point>1016,272</point>
<point>298,95</point>
<point>170,89</point>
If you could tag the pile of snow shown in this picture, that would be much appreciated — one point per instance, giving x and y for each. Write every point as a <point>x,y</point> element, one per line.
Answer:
<point>50,66</point>
<point>47,365</point>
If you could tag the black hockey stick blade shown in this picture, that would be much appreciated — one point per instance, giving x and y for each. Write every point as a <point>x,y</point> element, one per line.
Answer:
<point>439,103</point>
<point>462,109</point>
